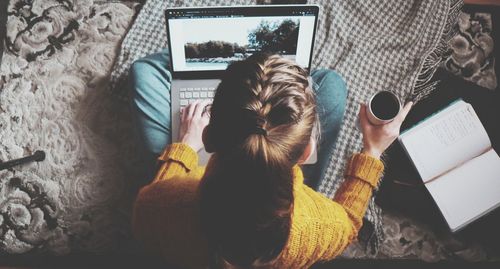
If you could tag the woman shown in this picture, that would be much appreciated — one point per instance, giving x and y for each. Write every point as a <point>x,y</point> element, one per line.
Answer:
<point>250,207</point>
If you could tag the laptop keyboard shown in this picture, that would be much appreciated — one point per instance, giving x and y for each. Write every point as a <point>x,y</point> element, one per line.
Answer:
<point>191,95</point>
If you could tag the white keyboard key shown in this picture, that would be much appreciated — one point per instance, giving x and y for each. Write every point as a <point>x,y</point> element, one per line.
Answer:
<point>196,95</point>
<point>203,95</point>
<point>183,95</point>
<point>184,102</point>
<point>189,89</point>
<point>211,94</point>
<point>183,89</point>
<point>189,94</point>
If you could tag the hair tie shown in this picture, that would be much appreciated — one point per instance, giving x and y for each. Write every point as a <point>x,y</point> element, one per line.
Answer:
<point>254,123</point>
<point>260,131</point>
<point>259,126</point>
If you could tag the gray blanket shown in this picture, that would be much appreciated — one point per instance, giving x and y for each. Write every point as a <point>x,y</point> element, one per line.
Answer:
<point>375,45</point>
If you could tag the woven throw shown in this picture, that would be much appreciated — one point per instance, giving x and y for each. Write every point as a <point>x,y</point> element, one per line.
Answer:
<point>375,45</point>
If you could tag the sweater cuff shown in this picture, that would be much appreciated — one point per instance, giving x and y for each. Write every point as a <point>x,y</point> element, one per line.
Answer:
<point>366,168</point>
<point>182,153</point>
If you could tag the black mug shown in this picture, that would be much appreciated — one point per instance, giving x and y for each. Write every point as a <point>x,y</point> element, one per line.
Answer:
<point>383,107</point>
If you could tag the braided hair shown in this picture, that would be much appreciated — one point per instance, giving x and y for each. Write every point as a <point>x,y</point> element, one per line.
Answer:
<point>262,119</point>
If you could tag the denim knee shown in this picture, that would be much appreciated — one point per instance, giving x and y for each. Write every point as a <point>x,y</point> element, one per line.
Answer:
<point>138,71</point>
<point>332,79</point>
<point>330,90</point>
<point>151,73</point>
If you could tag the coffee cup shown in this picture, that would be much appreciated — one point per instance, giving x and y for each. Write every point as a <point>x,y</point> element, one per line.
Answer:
<point>383,107</point>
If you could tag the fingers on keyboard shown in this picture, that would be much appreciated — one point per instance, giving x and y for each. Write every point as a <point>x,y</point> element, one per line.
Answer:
<point>190,95</point>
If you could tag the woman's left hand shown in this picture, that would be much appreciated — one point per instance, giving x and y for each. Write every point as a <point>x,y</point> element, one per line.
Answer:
<point>194,119</point>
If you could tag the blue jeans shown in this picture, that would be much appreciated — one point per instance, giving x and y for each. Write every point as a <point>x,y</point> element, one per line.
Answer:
<point>150,80</point>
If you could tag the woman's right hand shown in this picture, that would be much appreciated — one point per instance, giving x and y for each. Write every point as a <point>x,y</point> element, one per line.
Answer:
<point>194,119</point>
<point>377,138</point>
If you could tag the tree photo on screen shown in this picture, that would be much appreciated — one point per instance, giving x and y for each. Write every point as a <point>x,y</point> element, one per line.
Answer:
<point>267,36</point>
<point>274,38</point>
<point>213,49</point>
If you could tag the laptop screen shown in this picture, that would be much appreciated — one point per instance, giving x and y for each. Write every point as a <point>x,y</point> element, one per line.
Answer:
<point>209,39</point>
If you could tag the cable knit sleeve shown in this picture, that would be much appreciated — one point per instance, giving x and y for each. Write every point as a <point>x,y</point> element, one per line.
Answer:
<point>178,160</point>
<point>322,228</point>
<point>362,176</point>
<point>351,201</point>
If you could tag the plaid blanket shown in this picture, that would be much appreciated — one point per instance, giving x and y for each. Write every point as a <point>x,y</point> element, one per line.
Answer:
<point>375,45</point>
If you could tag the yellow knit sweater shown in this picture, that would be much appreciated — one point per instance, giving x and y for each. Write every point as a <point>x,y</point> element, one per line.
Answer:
<point>166,212</point>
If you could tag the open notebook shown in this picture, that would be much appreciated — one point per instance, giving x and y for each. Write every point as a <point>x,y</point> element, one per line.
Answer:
<point>453,155</point>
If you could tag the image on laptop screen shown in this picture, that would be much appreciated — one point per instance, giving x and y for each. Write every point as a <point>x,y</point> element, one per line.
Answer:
<point>209,39</point>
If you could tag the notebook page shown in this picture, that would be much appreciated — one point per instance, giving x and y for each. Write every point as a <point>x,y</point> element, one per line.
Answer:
<point>468,192</point>
<point>446,140</point>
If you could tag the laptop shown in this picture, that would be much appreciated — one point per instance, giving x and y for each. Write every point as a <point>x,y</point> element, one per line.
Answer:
<point>203,41</point>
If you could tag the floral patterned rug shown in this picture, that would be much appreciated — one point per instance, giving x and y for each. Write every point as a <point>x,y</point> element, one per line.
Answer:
<point>53,79</point>
<point>472,50</point>
<point>52,97</point>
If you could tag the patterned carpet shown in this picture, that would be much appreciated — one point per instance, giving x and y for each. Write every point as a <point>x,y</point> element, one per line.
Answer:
<point>53,96</point>
<point>53,79</point>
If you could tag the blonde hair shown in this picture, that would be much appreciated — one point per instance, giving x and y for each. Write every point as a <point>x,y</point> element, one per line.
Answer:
<point>262,119</point>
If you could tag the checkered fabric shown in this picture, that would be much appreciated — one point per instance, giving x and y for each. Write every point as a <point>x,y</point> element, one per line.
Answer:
<point>375,45</point>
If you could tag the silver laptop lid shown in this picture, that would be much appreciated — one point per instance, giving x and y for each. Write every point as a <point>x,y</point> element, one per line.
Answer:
<point>204,41</point>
